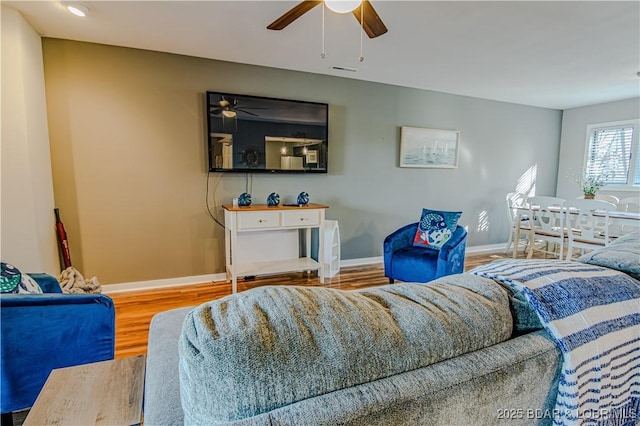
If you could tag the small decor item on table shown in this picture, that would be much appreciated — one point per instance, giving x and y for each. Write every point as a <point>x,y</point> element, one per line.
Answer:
<point>244,200</point>
<point>273,199</point>
<point>591,184</point>
<point>303,199</point>
<point>435,228</point>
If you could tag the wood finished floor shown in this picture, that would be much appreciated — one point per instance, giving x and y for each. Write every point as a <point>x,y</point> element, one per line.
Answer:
<point>134,309</point>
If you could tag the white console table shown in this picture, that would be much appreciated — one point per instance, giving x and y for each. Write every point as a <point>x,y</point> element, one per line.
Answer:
<point>265,240</point>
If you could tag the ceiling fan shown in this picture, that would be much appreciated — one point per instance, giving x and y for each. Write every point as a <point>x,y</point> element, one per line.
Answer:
<point>371,22</point>
<point>230,108</point>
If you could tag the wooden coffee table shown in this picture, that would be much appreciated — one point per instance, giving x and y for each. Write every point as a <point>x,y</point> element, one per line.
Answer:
<point>100,393</point>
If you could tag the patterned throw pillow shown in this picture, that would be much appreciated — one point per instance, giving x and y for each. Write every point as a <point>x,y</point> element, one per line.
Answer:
<point>14,281</point>
<point>623,255</point>
<point>435,228</point>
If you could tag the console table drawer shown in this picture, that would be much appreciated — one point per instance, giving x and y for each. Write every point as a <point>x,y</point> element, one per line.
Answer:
<point>301,218</point>
<point>258,219</point>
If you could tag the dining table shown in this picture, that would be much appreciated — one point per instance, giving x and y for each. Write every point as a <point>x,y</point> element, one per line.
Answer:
<point>619,222</point>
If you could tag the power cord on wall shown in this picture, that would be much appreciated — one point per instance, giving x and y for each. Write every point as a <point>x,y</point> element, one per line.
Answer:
<point>248,187</point>
<point>215,204</point>
<point>248,183</point>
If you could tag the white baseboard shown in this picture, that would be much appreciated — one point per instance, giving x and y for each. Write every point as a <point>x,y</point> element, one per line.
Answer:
<point>215,278</point>
<point>162,283</point>
<point>361,262</point>
<point>486,249</point>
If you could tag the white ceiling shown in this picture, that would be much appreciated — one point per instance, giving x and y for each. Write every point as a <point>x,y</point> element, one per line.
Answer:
<point>543,53</point>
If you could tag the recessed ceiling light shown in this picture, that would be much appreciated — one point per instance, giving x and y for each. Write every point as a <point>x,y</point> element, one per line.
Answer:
<point>77,9</point>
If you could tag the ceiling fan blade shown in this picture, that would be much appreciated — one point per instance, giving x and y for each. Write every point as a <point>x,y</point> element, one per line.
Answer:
<point>296,12</point>
<point>246,112</point>
<point>373,25</point>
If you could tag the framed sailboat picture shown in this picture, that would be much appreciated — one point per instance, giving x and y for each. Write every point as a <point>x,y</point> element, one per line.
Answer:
<point>429,148</point>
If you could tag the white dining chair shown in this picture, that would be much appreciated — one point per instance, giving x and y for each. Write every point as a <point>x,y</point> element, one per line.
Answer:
<point>547,225</point>
<point>518,222</point>
<point>629,204</point>
<point>585,230</point>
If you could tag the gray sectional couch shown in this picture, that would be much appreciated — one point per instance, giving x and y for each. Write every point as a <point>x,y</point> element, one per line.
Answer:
<point>464,349</point>
<point>460,350</point>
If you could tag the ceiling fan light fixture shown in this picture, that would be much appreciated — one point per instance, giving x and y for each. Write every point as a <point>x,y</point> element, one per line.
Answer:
<point>228,113</point>
<point>342,6</point>
<point>77,9</point>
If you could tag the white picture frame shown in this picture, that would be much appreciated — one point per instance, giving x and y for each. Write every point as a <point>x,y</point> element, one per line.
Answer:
<point>429,148</point>
<point>312,156</point>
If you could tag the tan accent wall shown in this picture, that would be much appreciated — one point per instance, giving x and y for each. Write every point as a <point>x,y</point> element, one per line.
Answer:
<point>129,161</point>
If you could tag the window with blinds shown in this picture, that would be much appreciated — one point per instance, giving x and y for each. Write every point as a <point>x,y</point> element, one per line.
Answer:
<point>612,150</point>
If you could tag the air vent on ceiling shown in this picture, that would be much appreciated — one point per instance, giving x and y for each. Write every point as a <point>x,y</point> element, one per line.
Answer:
<point>339,68</point>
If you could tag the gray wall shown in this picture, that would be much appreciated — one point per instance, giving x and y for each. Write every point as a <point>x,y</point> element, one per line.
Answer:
<point>129,163</point>
<point>574,140</point>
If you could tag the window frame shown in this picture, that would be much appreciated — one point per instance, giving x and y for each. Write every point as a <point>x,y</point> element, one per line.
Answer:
<point>634,162</point>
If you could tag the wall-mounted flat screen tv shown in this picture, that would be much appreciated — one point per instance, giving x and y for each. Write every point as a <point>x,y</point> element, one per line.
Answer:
<point>258,134</point>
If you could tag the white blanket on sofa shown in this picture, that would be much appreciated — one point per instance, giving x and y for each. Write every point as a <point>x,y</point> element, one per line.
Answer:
<point>593,313</point>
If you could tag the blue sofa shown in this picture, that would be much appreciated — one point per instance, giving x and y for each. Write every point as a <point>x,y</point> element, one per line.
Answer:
<point>405,262</point>
<point>41,332</point>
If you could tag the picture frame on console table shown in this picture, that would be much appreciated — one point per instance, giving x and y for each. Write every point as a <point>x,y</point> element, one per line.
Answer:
<point>429,148</point>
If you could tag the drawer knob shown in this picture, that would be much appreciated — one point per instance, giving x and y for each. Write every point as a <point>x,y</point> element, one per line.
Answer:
<point>262,221</point>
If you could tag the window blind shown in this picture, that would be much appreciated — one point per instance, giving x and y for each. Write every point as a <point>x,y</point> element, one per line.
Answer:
<point>610,153</point>
<point>636,177</point>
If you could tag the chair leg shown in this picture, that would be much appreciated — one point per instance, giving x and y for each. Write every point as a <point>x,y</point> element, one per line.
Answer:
<point>561,251</point>
<point>516,245</point>
<point>527,243</point>
<point>517,241</point>
<point>7,419</point>
<point>532,243</point>
<point>509,242</point>
<point>530,253</point>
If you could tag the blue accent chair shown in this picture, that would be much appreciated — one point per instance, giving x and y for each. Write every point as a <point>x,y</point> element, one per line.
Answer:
<point>405,262</point>
<point>41,332</point>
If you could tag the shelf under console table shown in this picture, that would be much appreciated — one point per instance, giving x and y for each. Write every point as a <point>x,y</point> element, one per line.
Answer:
<point>260,240</point>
